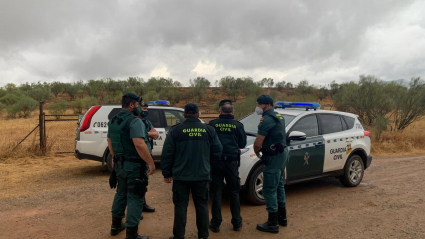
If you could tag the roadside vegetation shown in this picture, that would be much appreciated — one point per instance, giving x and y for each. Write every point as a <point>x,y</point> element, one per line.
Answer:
<point>393,112</point>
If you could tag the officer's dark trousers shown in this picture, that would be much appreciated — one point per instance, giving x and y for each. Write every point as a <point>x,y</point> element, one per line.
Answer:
<point>181,190</point>
<point>228,170</point>
<point>126,174</point>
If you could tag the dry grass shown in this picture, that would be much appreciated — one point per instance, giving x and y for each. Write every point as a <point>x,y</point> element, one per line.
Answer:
<point>32,175</point>
<point>409,142</point>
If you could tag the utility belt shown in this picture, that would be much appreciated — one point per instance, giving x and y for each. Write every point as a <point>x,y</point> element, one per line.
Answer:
<point>271,151</point>
<point>123,159</point>
<point>141,183</point>
<point>232,158</point>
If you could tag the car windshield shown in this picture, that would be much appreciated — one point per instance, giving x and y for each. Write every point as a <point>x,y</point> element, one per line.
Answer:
<point>251,122</point>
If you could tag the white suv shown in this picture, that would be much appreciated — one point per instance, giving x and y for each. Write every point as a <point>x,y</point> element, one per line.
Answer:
<point>91,134</point>
<point>322,143</point>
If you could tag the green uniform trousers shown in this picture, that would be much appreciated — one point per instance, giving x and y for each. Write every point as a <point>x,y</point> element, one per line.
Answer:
<point>181,190</point>
<point>273,189</point>
<point>228,170</point>
<point>127,172</point>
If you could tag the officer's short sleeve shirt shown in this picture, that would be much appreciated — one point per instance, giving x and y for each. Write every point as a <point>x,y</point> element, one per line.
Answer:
<point>137,129</point>
<point>266,124</point>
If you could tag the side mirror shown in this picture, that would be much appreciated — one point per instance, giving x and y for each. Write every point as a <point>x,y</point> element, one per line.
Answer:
<point>297,135</point>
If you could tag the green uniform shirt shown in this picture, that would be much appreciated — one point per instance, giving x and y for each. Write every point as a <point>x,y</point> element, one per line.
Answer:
<point>187,151</point>
<point>272,125</point>
<point>134,128</point>
<point>231,134</point>
<point>148,126</point>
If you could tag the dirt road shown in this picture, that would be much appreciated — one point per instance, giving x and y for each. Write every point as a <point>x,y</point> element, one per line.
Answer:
<point>389,203</point>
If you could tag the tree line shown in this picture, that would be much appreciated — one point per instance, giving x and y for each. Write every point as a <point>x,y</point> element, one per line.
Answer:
<point>379,104</point>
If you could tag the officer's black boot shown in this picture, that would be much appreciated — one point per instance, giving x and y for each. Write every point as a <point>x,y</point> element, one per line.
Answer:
<point>147,208</point>
<point>117,226</point>
<point>271,225</point>
<point>282,217</point>
<point>132,233</point>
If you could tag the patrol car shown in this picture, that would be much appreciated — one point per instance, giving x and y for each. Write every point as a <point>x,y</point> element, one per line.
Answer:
<point>91,134</point>
<point>321,143</point>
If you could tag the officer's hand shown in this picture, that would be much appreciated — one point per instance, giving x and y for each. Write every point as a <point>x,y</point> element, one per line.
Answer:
<point>168,180</point>
<point>258,155</point>
<point>151,169</point>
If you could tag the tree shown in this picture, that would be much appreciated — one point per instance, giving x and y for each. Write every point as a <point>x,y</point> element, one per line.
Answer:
<point>199,86</point>
<point>10,87</point>
<point>369,99</point>
<point>334,89</point>
<point>77,106</point>
<point>40,93</point>
<point>267,82</point>
<point>409,103</point>
<point>2,92</point>
<point>94,88</point>
<point>9,99</point>
<point>58,108</point>
<point>56,88</point>
<point>289,85</point>
<point>280,85</point>
<point>25,106</point>
<point>70,89</point>
<point>89,102</point>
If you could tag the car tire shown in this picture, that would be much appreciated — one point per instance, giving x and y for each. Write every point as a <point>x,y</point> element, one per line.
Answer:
<point>353,171</point>
<point>109,162</point>
<point>255,184</point>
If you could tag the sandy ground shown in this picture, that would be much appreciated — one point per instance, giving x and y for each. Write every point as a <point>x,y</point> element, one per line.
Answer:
<point>73,201</point>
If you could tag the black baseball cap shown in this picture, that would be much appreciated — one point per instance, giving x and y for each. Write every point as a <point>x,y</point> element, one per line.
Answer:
<point>133,96</point>
<point>265,99</point>
<point>225,102</point>
<point>191,108</point>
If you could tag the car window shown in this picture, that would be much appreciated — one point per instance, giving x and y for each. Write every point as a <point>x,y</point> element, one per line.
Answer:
<point>113,112</point>
<point>251,122</point>
<point>350,121</point>
<point>344,125</point>
<point>172,117</point>
<point>155,118</point>
<point>308,125</point>
<point>331,123</point>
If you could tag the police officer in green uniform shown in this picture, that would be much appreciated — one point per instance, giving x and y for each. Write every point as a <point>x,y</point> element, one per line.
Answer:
<point>271,142</point>
<point>126,143</point>
<point>186,156</point>
<point>150,135</point>
<point>232,136</point>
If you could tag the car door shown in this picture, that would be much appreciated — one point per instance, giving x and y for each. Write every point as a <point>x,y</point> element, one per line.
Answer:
<point>305,157</point>
<point>155,116</point>
<point>337,141</point>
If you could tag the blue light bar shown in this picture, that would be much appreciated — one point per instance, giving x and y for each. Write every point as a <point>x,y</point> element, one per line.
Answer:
<point>162,102</point>
<point>151,103</point>
<point>303,105</point>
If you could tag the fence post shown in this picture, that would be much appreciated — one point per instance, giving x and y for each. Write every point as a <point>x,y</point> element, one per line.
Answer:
<point>42,129</point>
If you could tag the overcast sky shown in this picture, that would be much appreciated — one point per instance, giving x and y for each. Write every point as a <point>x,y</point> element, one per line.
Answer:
<point>320,41</point>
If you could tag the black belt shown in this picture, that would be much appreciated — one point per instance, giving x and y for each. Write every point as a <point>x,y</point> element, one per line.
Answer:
<point>133,160</point>
<point>228,158</point>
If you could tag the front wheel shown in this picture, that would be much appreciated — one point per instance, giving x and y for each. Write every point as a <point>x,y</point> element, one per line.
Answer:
<point>255,186</point>
<point>353,172</point>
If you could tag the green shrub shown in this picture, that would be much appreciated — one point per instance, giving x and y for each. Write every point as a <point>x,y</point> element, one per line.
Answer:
<point>246,107</point>
<point>77,106</point>
<point>25,106</point>
<point>40,93</point>
<point>89,102</point>
<point>9,99</point>
<point>59,107</point>
<point>304,98</point>
<point>11,111</point>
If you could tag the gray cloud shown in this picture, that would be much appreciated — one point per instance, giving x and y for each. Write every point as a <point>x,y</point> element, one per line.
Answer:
<point>288,40</point>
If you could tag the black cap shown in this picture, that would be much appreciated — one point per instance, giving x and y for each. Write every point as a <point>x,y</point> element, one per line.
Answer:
<point>265,99</point>
<point>133,96</point>
<point>191,108</point>
<point>225,102</point>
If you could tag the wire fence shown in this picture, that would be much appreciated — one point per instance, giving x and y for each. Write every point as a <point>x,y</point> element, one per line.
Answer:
<point>60,132</point>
